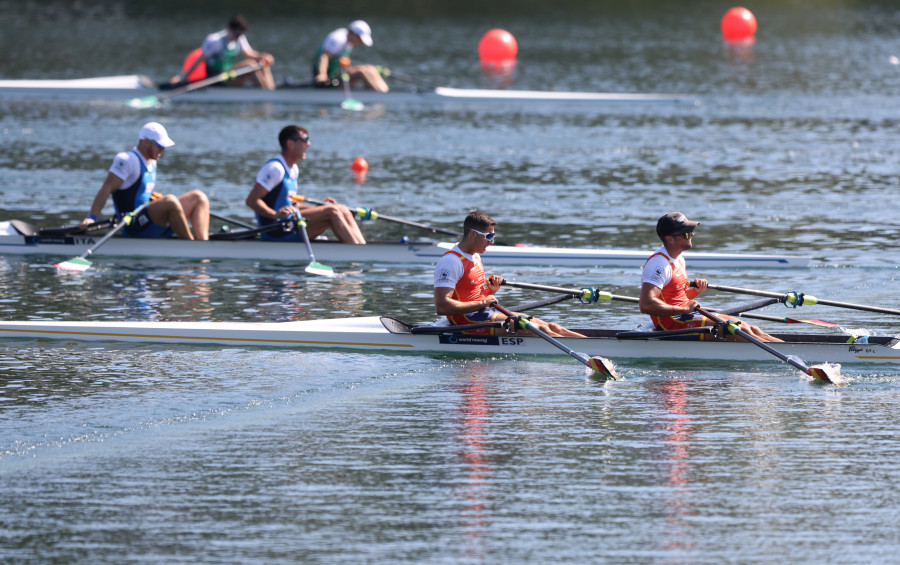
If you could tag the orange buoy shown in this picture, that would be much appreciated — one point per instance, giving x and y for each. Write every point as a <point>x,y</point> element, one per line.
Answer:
<point>738,24</point>
<point>199,71</point>
<point>360,165</point>
<point>497,45</point>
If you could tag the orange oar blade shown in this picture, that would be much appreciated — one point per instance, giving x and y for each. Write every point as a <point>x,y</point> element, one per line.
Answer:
<point>603,367</point>
<point>822,323</point>
<point>828,372</point>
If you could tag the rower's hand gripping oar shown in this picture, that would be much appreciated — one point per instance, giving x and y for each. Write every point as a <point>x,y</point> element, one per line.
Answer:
<point>314,267</point>
<point>796,298</point>
<point>81,263</point>
<point>830,373</point>
<point>369,214</point>
<point>600,365</point>
<point>153,101</point>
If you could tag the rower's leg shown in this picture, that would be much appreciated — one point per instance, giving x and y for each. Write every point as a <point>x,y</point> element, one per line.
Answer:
<point>167,211</point>
<point>196,207</point>
<point>368,75</point>
<point>336,217</point>
<point>264,78</point>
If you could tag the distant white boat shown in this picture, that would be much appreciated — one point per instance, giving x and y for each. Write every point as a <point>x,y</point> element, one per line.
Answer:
<point>27,240</point>
<point>125,87</point>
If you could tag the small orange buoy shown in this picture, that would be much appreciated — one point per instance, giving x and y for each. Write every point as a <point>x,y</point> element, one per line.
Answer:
<point>497,45</point>
<point>738,24</point>
<point>360,165</point>
<point>199,71</point>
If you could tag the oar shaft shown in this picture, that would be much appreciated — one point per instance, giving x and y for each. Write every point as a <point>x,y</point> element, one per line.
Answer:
<point>301,225</point>
<point>739,332</point>
<point>577,292</point>
<point>418,225</point>
<point>858,307</point>
<point>539,303</point>
<point>432,229</point>
<point>533,329</point>
<point>809,299</point>
<point>221,77</point>
<point>231,221</point>
<point>599,365</point>
<point>750,291</point>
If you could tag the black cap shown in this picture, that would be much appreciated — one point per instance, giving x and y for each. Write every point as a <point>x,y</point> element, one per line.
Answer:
<point>674,222</point>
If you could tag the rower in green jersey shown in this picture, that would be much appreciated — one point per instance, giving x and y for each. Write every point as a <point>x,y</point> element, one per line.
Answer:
<point>332,60</point>
<point>229,48</point>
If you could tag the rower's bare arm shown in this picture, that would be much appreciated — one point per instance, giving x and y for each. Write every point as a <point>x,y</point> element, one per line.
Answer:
<point>266,59</point>
<point>652,304</point>
<point>322,69</point>
<point>257,204</point>
<point>110,185</point>
<point>446,305</point>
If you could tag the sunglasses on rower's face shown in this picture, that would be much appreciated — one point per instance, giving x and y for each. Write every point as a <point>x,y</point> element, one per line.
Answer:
<point>301,139</point>
<point>487,236</point>
<point>685,235</point>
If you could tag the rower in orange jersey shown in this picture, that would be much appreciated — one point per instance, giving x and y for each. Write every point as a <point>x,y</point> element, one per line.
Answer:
<point>666,292</point>
<point>461,292</point>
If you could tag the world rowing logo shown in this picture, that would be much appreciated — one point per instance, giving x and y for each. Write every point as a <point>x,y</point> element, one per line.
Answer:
<point>457,339</point>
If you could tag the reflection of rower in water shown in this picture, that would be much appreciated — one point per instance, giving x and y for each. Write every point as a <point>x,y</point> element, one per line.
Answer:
<point>276,183</point>
<point>221,52</point>
<point>327,66</point>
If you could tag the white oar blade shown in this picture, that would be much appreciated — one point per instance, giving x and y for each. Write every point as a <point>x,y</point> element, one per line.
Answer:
<point>316,268</point>
<point>352,105</point>
<point>144,103</point>
<point>74,264</point>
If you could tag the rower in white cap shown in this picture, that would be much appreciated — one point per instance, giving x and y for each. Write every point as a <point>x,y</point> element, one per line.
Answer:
<point>131,180</point>
<point>332,60</point>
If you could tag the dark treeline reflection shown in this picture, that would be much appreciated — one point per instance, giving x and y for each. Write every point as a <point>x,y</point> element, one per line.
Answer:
<point>424,8</point>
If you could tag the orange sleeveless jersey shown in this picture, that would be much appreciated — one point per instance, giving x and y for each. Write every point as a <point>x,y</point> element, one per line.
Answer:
<point>675,293</point>
<point>469,287</point>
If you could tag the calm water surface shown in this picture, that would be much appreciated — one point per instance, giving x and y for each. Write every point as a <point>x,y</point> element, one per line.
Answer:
<point>166,454</point>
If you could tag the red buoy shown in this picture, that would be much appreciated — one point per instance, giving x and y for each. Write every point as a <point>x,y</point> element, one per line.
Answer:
<point>496,46</point>
<point>360,165</point>
<point>738,24</point>
<point>199,71</point>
